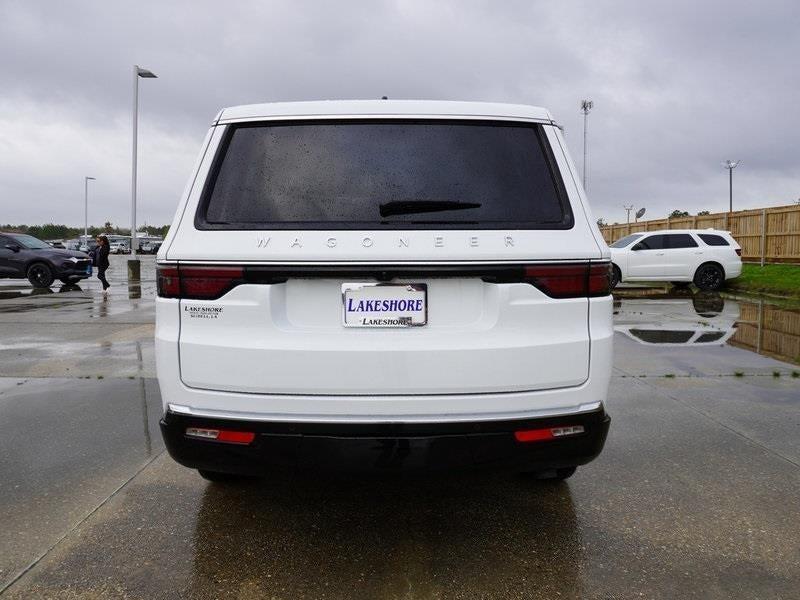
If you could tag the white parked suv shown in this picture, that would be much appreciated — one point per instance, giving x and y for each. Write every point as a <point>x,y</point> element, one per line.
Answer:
<point>705,257</point>
<point>385,284</point>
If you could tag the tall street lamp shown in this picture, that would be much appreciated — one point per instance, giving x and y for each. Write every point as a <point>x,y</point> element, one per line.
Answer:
<point>86,208</point>
<point>730,165</point>
<point>586,106</point>
<point>133,264</point>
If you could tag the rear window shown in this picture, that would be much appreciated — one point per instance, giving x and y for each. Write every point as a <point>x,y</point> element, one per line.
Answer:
<point>713,240</point>
<point>389,174</point>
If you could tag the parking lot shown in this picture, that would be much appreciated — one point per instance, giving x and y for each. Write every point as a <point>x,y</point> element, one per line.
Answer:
<point>695,495</point>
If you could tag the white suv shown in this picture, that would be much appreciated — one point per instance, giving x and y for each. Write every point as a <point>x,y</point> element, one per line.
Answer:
<point>385,284</point>
<point>706,257</point>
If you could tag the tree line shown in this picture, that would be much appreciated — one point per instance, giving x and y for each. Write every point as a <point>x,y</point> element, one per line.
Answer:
<point>53,231</point>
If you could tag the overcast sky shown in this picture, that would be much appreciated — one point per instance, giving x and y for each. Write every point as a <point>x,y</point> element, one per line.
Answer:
<point>678,87</point>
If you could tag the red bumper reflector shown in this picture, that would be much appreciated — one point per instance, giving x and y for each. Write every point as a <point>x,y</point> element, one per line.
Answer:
<point>550,433</point>
<point>221,435</point>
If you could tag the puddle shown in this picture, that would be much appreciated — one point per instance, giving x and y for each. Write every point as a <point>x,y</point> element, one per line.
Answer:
<point>682,318</point>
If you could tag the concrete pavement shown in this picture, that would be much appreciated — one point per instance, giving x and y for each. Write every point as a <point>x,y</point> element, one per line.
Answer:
<point>695,495</point>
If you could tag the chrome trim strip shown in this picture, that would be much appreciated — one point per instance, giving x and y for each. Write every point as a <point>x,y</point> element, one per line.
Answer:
<point>375,419</point>
<point>382,263</point>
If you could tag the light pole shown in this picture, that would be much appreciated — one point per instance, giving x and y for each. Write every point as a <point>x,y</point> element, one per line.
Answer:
<point>586,106</point>
<point>86,208</point>
<point>133,263</point>
<point>730,165</point>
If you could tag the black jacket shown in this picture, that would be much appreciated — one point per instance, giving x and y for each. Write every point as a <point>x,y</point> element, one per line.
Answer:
<point>100,256</point>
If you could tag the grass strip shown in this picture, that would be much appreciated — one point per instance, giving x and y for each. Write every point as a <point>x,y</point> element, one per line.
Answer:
<point>779,280</point>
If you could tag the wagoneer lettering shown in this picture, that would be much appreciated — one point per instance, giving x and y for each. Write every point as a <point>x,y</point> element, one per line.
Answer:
<point>422,273</point>
<point>438,241</point>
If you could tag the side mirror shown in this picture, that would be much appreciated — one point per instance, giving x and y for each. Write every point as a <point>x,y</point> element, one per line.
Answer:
<point>12,247</point>
<point>638,246</point>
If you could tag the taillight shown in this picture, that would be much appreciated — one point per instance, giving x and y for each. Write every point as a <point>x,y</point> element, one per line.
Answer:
<point>197,282</point>
<point>208,282</point>
<point>167,282</point>
<point>600,279</point>
<point>549,433</point>
<point>738,251</point>
<point>571,280</point>
<point>557,280</point>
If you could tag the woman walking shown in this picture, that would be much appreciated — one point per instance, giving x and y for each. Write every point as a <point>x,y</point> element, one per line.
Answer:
<point>101,261</point>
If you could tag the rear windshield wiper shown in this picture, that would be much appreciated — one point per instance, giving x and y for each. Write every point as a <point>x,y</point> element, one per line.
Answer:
<point>410,207</point>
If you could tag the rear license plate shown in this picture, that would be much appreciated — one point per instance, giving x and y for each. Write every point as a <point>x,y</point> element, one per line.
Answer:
<point>384,304</point>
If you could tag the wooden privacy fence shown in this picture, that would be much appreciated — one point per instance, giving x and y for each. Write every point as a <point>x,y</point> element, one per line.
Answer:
<point>765,234</point>
<point>769,330</point>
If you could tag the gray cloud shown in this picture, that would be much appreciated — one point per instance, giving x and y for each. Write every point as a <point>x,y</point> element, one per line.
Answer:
<point>678,87</point>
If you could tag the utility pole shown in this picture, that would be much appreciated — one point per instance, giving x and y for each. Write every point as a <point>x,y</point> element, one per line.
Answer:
<point>730,165</point>
<point>628,209</point>
<point>586,106</point>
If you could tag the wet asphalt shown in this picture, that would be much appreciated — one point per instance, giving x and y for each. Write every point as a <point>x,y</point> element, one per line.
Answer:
<point>696,495</point>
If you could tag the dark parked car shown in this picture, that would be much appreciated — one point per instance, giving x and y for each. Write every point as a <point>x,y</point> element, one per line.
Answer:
<point>25,257</point>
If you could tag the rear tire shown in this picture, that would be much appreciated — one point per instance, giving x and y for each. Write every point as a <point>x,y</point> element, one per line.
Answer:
<point>616,276</point>
<point>40,275</point>
<point>217,477</point>
<point>709,277</point>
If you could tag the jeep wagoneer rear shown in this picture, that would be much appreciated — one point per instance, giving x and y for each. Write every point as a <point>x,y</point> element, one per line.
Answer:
<point>383,284</point>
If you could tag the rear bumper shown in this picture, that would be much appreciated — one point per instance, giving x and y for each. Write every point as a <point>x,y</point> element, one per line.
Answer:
<point>384,446</point>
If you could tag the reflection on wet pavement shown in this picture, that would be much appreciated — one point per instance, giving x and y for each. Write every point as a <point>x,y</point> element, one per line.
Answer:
<point>76,330</point>
<point>769,330</point>
<point>19,296</point>
<point>681,318</point>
